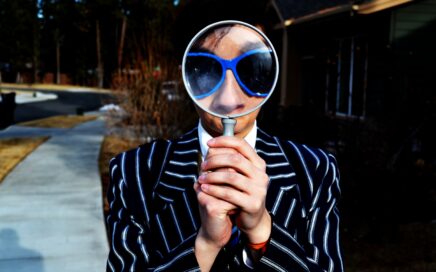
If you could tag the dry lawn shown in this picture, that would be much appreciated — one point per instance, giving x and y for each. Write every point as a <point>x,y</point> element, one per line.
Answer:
<point>53,87</point>
<point>61,121</point>
<point>14,150</point>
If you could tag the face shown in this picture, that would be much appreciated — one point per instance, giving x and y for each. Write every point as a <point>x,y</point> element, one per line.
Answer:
<point>231,72</point>
<point>230,98</point>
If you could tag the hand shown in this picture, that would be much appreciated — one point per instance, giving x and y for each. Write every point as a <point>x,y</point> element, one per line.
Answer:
<point>215,230</point>
<point>216,226</point>
<point>244,186</point>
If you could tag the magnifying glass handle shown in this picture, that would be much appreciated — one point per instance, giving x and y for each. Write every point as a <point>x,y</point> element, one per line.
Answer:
<point>229,126</point>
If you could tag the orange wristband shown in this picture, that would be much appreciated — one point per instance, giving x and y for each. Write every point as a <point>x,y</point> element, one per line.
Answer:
<point>258,247</point>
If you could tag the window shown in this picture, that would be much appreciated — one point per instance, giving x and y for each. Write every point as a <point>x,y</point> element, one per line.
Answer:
<point>346,78</point>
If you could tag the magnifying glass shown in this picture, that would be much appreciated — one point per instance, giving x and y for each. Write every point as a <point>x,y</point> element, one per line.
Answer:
<point>230,69</point>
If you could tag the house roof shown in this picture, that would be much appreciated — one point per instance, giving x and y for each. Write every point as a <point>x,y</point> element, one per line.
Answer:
<point>297,11</point>
<point>297,8</point>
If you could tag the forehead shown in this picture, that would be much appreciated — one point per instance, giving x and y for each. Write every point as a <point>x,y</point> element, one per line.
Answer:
<point>238,38</point>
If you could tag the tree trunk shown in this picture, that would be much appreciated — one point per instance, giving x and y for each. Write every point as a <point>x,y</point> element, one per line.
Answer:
<point>58,61</point>
<point>99,60</point>
<point>121,45</point>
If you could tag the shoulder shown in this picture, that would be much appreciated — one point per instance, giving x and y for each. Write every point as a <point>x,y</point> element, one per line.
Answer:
<point>149,154</point>
<point>315,164</point>
<point>138,161</point>
<point>313,157</point>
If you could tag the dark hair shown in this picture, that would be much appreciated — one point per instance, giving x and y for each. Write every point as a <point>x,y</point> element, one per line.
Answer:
<point>197,14</point>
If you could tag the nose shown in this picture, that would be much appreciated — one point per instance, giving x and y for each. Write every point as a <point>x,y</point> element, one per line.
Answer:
<point>229,98</point>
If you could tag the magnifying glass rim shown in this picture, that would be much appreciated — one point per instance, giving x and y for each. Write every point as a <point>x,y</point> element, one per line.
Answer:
<point>201,32</point>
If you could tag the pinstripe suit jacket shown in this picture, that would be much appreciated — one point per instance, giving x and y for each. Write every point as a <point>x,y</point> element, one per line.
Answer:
<point>154,216</point>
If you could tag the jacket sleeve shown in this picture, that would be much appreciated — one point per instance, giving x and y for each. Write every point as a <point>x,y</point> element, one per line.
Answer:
<point>131,241</point>
<point>317,248</point>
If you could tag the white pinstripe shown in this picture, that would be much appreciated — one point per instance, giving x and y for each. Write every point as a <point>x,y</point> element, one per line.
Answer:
<point>313,155</point>
<point>173,213</point>
<point>193,177</point>
<point>194,224</point>
<point>132,267</point>
<point>186,152</point>
<point>311,233</point>
<point>272,264</point>
<point>326,234</point>
<point>183,163</point>
<point>303,162</point>
<point>150,156</point>
<point>265,142</point>
<point>274,165</point>
<point>139,183</point>
<point>279,197</point>
<point>114,248</point>
<point>181,255</point>
<point>273,154</point>
<point>290,253</point>
<point>282,176</point>
<point>290,211</point>
<point>188,141</point>
<point>162,232</point>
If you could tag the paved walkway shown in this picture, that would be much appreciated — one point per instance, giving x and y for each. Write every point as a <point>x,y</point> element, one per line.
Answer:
<point>51,216</point>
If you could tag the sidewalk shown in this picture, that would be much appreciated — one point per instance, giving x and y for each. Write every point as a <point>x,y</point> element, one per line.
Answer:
<point>51,216</point>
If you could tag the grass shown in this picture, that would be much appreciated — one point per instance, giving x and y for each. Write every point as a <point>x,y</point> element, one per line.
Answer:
<point>61,121</point>
<point>110,147</point>
<point>14,150</point>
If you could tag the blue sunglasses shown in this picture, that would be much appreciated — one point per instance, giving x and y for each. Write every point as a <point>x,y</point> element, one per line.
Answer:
<point>254,71</point>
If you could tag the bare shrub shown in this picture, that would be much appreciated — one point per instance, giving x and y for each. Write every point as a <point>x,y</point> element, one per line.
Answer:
<point>154,102</point>
<point>146,61</point>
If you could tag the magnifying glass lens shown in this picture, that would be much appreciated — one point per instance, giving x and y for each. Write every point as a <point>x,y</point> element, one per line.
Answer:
<point>256,73</point>
<point>203,74</point>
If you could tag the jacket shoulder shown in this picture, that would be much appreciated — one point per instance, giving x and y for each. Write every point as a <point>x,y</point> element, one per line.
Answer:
<point>312,157</point>
<point>311,163</point>
<point>144,158</point>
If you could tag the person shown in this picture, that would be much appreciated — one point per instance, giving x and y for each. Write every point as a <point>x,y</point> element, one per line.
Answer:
<point>206,202</point>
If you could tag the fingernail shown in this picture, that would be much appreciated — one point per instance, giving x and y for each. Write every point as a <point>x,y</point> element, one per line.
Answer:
<point>204,187</point>
<point>202,177</point>
<point>211,141</point>
<point>203,165</point>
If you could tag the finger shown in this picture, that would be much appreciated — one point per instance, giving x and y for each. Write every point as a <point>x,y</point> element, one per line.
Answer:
<point>239,145</point>
<point>227,194</point>
<point>205,200</point>
<point>232,179</point>
<point>212,151</point>
<point>235,161</point>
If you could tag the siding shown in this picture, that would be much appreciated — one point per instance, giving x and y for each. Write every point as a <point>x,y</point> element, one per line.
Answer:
<point>412,18</point>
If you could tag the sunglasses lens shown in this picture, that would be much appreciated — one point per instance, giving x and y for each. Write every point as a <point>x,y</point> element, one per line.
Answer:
<point>257,72</point>
<point>203,74</point>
